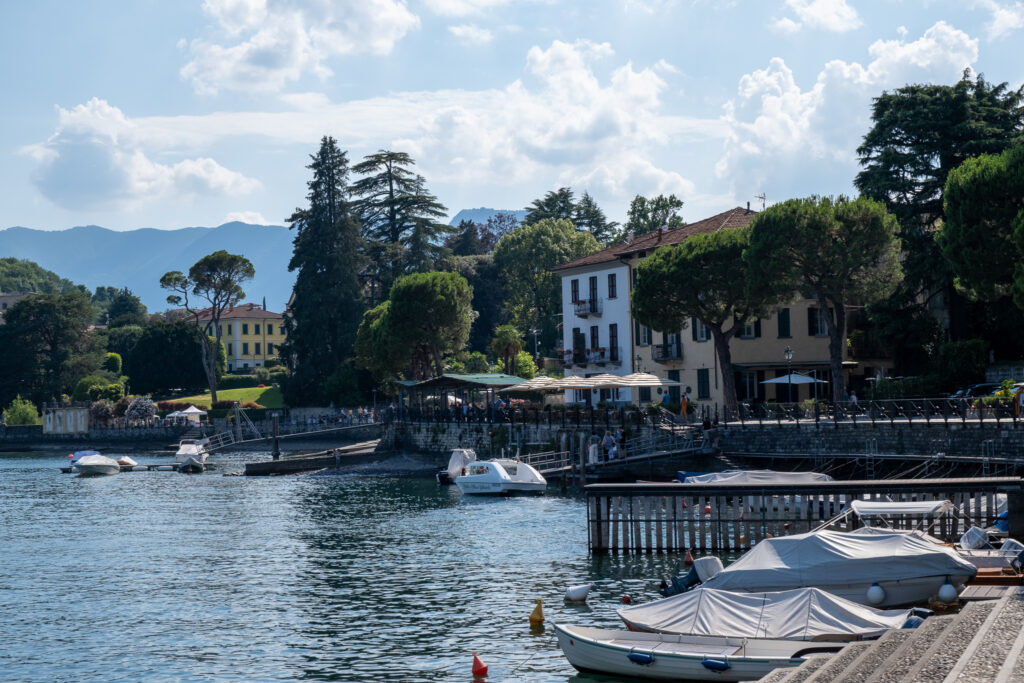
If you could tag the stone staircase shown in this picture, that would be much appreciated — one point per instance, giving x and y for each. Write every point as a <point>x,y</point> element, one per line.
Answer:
<point>983,643</point>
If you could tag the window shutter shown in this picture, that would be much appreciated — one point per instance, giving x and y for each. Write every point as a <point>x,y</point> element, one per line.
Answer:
<point>812,322</point>
<point>757,328</point>
<point>784,322</point>
<point>693,327</point>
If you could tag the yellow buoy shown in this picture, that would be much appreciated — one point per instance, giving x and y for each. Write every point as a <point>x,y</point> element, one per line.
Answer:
<point>537,615</point>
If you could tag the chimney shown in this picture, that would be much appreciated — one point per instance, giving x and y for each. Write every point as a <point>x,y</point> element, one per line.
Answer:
<point>661,231</point>
<point>748,206</point>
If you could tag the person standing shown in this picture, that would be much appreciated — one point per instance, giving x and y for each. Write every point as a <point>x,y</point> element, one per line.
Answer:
<point>608,443</point>
<point>684,405</point>
<point>621,453</point>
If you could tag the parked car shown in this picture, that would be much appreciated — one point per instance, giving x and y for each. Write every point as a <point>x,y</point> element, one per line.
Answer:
<point>975,390</point>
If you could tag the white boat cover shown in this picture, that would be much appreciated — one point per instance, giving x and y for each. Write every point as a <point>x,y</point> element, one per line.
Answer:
<point>824,558</point>
<point>876,508</point>
<point>460,458</point>
<point>801,614</point>
<point>757,477</point>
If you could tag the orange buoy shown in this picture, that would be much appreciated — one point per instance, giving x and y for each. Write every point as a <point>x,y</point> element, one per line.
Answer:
<point>479,668</point>
<point>688,560</point>
<point>626,599</point>
<point>537,615</point>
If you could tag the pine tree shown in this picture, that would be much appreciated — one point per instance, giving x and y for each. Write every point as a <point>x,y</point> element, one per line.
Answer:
<point>399,217</point>
<point>588,216</point>
<point>327,305</point>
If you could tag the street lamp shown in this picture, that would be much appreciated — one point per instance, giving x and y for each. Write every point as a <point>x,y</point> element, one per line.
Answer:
<point>536,352</point>
<point>789,373</point>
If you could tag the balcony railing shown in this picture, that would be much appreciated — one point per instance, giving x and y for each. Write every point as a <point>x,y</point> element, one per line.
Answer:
<point>664,353</point>
<point>612,356</point>
<point>587,307</point>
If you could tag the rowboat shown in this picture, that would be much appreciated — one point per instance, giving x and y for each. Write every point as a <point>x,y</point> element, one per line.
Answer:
<point>663,656</point>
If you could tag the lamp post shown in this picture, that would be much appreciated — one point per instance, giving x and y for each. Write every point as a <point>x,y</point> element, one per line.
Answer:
<point>789,373</point>
<point>536,352</point>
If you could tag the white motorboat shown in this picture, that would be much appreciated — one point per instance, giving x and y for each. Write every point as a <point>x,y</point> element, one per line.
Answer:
<point>498,477</point>
<point>800,614</point>
<point>95,464</point>
<point>191,456</point>
<point>460,458</point>
<point>881,568</point>
<point>662,656</point>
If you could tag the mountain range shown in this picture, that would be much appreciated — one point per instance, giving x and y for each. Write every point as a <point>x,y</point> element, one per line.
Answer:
<point>97,257</point>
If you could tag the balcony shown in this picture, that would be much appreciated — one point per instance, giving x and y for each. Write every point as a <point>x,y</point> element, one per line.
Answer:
<point>666,353</point>
<point>587,308</point>
<point>577,357</point>
<point>604,356</point>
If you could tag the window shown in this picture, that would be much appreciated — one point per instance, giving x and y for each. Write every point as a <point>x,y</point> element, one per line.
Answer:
<point>245,328</point>
<point>595,337</point>
<point>613,342</point>
<point>270,349</point>
<point>612,293</point>
<point>256,330</point>
<point>703,384</point>
<point>784,323</point>
<point>230,352</point>
<point>593,288</point>
<point>643,334</point>
<point>245,349</point>
<point>751,330</point>
<point>701,333</point>
<point>257,345</point>
<point>816,324</point>
<point>645,393</point>
<point>282,330</point>
<point>229,329</point>
<point>574,287</point>
<point>675,390</point>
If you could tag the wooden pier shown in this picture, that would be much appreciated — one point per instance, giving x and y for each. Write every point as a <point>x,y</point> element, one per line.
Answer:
<point>724,518</point>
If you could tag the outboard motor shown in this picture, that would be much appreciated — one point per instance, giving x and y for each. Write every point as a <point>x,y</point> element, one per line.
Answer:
<point>703,569</point>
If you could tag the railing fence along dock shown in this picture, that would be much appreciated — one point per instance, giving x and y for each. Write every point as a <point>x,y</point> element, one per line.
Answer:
<point>731,517</point>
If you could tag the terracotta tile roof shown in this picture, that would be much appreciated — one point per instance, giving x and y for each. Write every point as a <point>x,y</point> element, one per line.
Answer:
<point>733,218</point>
<point>248,311</point>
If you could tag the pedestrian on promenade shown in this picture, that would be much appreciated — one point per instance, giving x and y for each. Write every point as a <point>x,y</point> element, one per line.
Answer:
<point>608,442</point>
<point>621,453</point>
<point>684,405</point>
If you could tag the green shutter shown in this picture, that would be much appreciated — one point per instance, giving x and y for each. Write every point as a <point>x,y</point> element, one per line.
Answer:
<point>757,328</point>
<point>784,322</point>
<point>693,327</point>
<point>812,322</point>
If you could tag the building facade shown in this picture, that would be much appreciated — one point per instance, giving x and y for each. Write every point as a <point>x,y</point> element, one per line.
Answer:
<point>251,336</point>
<point>600,335</point>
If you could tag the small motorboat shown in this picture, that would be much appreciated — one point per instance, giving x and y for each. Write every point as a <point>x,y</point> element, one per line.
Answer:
<point>192,466</point>
<point>663,656</point>
<point>800,614</point>
<point>497,477</point>
<point>191,455</point>
<point>881,568</point>
<point>460,458</point>
<point>91,463</point>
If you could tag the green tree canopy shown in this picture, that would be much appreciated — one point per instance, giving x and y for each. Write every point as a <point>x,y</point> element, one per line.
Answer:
<point>702,277</point>
<point>21,411</point>
<point>379,350</point>
<point>647,215</point>
<point>589,216</point>
<point>433,310</point>
<point>488,295</point>
<point>47,346</point>
<point>525,257</point>
<point>983,235</point>
<point>325,314</point>
<point>126,309</point>
<point>466,241</point>
<point>507,343</point>
<point>18,276</point>
<point>214,282</point>
<point>166,357</point>
<point>839,251</point>
<point>555,205</point>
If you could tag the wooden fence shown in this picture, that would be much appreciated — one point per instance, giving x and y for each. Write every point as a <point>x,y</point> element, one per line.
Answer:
<point>731,517</point>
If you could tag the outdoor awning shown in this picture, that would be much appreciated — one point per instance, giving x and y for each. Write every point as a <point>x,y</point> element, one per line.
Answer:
<point>794,378</point>
<point>646,379</point>
<point>481,380</point>
<point>192,410</point>
<point>539,383</point>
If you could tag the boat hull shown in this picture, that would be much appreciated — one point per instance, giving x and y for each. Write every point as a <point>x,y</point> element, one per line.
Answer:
<point>498,488</point>
<point>96,465</point>
<point>663,657</point>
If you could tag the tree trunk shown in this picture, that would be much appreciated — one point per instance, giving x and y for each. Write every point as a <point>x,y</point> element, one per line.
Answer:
<point>438,364</point>
<point>725,363</point>
<point>209,363</point>
<point>835,320</point>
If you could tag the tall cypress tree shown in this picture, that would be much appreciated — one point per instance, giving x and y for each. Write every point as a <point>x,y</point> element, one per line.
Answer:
<point>327,304</point>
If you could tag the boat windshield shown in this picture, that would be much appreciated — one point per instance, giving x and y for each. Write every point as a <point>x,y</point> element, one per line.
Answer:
<point>511,470</point>
<point>478,469</point>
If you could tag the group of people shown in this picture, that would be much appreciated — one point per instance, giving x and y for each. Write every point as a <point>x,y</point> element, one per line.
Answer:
<point>610,447</point>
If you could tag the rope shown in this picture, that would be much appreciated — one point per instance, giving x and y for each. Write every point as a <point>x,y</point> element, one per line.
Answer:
<point>516,667</point>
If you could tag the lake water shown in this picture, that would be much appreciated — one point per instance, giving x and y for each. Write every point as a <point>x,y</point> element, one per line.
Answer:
<point>153,576</point>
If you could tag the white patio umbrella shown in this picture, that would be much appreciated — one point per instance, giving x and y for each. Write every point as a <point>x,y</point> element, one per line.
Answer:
<point>645,379</point>
<point>539,383</point>
<point>574,383</point>
<point>606,381</point>
<point>794,378</point>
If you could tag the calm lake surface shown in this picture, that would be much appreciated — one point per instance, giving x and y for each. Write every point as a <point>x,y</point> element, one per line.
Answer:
<point>162,576</point>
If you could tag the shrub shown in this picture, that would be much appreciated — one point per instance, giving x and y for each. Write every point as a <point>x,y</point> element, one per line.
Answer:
<point>110,392</point>
<point>237,382</point>
<point>97,379</point>
<point>142,408</point>
<point>261,374</point>
<point>112,363</point>
<point>278,376</point>
<point>21,412</point>
<point>248,405</point>
<point>222,405</point>
<point>102,411</point>
<point>121,406</point>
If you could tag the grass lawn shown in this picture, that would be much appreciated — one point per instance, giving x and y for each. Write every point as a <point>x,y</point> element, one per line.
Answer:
<point>268,397</point>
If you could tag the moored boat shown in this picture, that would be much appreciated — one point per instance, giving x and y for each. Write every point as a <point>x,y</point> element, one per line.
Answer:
<point>497,477</point>
<point>662,656</point>
<point>460,458</point>
<point>191,456</point>
<point>95,464</point>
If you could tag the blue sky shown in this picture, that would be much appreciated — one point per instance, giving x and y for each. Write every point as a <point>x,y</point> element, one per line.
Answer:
<point>147,113</point>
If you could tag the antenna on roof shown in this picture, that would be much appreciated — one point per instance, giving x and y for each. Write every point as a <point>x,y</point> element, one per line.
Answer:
<point>762,197</point>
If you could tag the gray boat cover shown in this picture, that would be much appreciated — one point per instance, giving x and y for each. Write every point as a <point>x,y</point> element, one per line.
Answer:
<point>757,477</point>
<point>824,558</point>
<point>801,614</point>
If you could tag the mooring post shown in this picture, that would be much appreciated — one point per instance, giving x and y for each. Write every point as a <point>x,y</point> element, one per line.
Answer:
<point>277,446</point>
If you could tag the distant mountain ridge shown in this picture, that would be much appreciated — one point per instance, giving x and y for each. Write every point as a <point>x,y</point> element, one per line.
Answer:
<point>482,214</point>
<point>95,256</point>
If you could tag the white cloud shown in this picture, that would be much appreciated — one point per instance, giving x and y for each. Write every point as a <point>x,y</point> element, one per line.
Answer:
<point>827,15</point>
<point>1006,18</point>
<point>97,158</point>
<point>777,127</point>
<point>464,8</point>
<point>666,67</point>
<point>251,217</point>
<point>471,34</point>
<point>272,42</point>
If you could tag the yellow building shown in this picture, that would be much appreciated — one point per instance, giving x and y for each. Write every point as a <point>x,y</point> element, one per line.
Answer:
<point>251,336</point>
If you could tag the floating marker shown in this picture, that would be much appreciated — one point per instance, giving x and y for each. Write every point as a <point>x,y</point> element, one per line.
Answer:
<point>947,593</point>
<point>707,509</point>
<point>577,593</point>
<point>626,599</point>
<point>479,668</point>
<point>688,560</point>
<point>537,615</point>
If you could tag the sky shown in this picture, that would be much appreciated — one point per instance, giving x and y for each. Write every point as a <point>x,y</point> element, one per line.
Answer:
<point>147,113</point>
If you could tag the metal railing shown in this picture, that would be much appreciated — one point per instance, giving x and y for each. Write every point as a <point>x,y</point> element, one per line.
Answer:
<point>902,410</point>
<point>667,352</point>
<point>587,307</point>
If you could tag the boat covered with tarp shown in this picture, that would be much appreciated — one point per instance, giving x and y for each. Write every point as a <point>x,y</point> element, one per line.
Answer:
<point>756,477</point>
<point>799,614</point>
<point>907,567</point>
